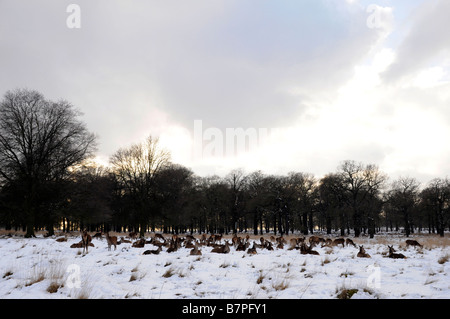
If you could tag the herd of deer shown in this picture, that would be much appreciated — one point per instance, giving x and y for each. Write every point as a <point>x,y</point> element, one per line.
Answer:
<point>240,244</point>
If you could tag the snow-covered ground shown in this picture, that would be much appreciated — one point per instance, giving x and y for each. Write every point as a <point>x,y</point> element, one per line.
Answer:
<point>44,268</point>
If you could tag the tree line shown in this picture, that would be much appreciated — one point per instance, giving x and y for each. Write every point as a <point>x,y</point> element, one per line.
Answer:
<point>47,181</point>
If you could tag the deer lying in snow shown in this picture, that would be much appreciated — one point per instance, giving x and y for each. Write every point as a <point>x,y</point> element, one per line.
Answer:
<point>195,251</point>
<point>224,249</point>
<point>139,243</point>
<point>242,246</point>
<point>395,256</point>
<point>112,240</point>
<point>252,251</point>
<point>362,253</point>
<point>154,252</point>
<point>307,250</point>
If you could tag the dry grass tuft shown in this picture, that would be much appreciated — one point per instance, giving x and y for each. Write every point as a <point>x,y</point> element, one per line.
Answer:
<point>169,273</point>
<point>345,293</point>
<point>260,278</point>
<point>280,285</point>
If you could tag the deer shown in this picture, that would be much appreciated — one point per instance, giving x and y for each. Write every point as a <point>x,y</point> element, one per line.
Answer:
<point>328,243</point>
<point>395,256</point>
<point>362,253</point>
<point>414,243</point>
<point>203,239</point>
<point>172,246</point>
<point>242,246</point>
<point>339,241</point>
<point>112,240</point>
<point>77,245</point>
<point>97,235</point>
<point>85,241</point>
<point>224,249</point>
<point>268,245</point>
<point>307,250</point>
<point>133,235</point>
<point>139,243</point>
<point>315,240</point>
<point>189,244</point>
<point>195,251</point>
<point>154,252</point>
<point>348,241</point>
<point>293,244</point>
<point>252,251</point>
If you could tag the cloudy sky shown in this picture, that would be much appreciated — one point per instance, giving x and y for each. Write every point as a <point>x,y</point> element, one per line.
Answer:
<point>329,80</point>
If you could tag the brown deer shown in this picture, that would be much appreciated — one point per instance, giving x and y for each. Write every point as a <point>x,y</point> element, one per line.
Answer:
<point>195,251</point>
<point>362,253</point>
<point>97,235</point>
<point>203,239</point>
<point>328,243</point>
<point>235,240</point>
<point>112,240</point>
<point>77,245</point>
<point>268,245</point>
<point>223,249</point>
<point>339,241</point>
<point>133,235</point>
<point>414,243</point>
<point>307,250</point>
<point>189,244</point>
<point>348,241</point>
<point>85,240</point>
<point>154,252</point>
<point>139,243</point>
<point>293,244</point>
<point>252,251</point>
<point>172,246</point>
<point>393,255</point>
<point>242,246</point>
<point>316,240</point>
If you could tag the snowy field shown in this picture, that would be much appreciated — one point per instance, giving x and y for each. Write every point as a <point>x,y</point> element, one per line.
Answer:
<point>45,268</point>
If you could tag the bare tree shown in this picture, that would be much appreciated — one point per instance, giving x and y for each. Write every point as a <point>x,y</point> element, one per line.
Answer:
<point>332,202</point>
<point>237,180</point>
<point>436,197</point>
<point>39,140</point>
<point>362,183</point>
<point>403,197</point>
<point>135,168</point>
